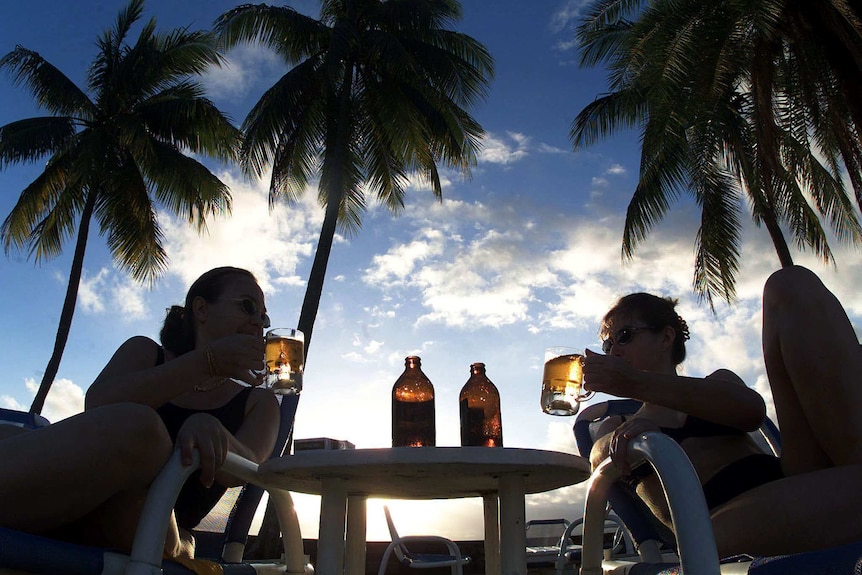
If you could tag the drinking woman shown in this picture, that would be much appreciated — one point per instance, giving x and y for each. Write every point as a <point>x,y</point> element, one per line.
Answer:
<point>85,478</point>
<point>759,505</point>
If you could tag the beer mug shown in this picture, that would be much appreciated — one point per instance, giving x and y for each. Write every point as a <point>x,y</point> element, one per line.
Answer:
<point>562,380</point>
<point>285,357</point>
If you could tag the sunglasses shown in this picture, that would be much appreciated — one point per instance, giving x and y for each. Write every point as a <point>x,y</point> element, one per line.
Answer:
<point>624,336</point>
<point>249,307</point>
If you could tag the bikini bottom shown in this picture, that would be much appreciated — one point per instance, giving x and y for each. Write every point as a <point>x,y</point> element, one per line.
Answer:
<point>741,476</point>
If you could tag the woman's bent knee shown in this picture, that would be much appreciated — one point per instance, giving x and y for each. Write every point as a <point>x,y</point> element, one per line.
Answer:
<point>789,281</point>
<point>140,439</point>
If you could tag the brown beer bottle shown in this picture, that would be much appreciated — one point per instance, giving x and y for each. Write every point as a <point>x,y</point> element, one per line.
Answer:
<point>413,407</point>
<point>479,401</point>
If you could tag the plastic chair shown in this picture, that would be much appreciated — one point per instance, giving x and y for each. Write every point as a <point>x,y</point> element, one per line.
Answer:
<point>453,558</point>
<point>651,537</point>
<point>550,542</point>
<point>543,540</point>
<point>36,554</point>
<point>569,554</point>
<point>695,544</point>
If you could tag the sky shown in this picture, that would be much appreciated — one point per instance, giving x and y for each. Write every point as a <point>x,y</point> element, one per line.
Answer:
<point>523,255</point>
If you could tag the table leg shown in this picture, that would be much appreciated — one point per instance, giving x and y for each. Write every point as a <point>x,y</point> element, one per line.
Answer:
<point>513,535</point>
<point>330,538</point>
<point>491,504</point>
<point>356,534</point>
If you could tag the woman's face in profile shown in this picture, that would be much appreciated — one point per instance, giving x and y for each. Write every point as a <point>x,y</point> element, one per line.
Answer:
<point>240,308</point>
<point>635,341</point>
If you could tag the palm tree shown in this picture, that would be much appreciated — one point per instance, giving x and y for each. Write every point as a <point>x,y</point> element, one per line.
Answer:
<point>733,98</point>
<point>377,91</point>
<point>117,154</point>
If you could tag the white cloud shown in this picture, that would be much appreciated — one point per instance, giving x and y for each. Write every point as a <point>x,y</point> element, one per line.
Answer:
<point>89,297</point>
<point>9,402</point>
<point>396,265</point>
<point>110,285</point>
<point>64,400</point>
<point>569,12</point>
<point>270,244</point>
<point>500,150</point>
<point>129,299</point>
<point>248,68</point>
<point>549,149</point>
<point>373,346</point>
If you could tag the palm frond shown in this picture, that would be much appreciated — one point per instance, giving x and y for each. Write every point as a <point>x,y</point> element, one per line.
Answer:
<point>36,202</point>
<point>180,116</point>
<point>718,238</point>
<point>183,185</point>
<point>31,139</point>
<point>52,89</point>
<point>291,110</point>
<point>291,34</point>
<point>605,115</point>
<point>127,217</point>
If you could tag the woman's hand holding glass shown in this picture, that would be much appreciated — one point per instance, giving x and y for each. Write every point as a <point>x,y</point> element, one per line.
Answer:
<point>239,356</point>
<point>609,374</point>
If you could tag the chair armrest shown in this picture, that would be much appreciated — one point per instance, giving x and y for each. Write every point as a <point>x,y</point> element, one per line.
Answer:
<point>148,547</point>
<point>451,546</point>
<point>684,494</point>
<point>149,544</point>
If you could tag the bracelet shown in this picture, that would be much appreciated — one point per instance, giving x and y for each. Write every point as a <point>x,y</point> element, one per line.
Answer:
<point>211,363</point>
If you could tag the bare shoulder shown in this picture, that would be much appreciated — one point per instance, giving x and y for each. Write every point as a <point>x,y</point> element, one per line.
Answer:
<point>725,375</point>
<point>136,353</point>
<point>139,345</point>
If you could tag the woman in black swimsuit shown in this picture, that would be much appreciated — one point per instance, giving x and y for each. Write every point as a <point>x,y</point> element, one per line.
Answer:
<point>85,478</point>
<point>644,343</point>
<point>808,500</point>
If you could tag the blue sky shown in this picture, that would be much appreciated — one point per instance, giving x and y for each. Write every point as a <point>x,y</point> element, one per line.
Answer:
<point>522,256</point>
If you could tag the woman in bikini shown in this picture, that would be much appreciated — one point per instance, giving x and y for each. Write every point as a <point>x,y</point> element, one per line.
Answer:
<point>759,505</point>
<point>85,478</point>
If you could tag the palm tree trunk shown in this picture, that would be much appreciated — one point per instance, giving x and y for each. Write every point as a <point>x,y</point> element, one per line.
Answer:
<point>766,130</point>
<point>314,288</point>
<point>68,306</point>
<point>267,544</point>
<point>337,142</point>
<point>777,236</point>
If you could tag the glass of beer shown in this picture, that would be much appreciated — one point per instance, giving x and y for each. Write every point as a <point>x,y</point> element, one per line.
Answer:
<point>285,357</point>
<point>562,380</point>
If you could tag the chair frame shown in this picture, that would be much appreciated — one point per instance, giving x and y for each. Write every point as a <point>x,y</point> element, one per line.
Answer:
<point>455,560</point>
<point>146,556</point>
<point>695,539</point>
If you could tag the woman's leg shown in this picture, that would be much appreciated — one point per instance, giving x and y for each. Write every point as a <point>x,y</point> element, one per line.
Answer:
<point>56,475</point>
<point>804,512</point>
<point>814,363</point>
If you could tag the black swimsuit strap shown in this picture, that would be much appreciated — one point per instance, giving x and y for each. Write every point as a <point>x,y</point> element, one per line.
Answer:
<point>697,427</point>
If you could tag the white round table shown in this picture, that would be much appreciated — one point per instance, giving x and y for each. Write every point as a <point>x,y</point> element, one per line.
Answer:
<point>501,476</point>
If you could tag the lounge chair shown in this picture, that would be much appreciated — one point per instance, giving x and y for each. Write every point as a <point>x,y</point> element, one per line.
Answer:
<point>551,543</point>
<point>453,558</point>
<point>695,545</point>
<point>35,554</point>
